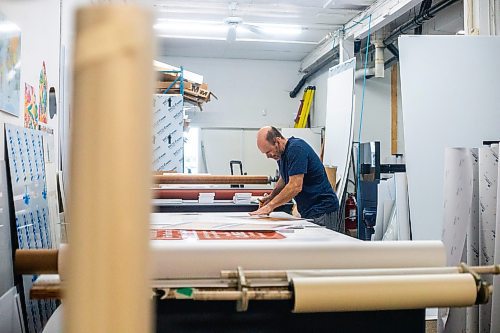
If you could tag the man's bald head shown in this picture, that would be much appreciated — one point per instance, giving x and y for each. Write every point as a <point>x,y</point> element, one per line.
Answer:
<point>271,142</point>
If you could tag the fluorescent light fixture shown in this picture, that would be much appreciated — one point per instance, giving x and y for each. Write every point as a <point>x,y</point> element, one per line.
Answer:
<point>275,41</point>
<point>191,26</point>
<point>8,27</point>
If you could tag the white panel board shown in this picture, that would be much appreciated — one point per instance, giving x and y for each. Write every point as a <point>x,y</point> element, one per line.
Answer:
<point>385,197</point>
<point>310,135</point>
<point>6,269</point>
<point>10,317</point>
<point>448,101</point>
<point>402,209</point>
<point>340,120</point>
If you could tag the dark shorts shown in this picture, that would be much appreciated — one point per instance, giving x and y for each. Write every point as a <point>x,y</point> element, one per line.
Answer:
<point>330,221</point>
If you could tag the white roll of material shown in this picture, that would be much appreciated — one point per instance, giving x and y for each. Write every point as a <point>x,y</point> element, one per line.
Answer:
<point>185,259</point>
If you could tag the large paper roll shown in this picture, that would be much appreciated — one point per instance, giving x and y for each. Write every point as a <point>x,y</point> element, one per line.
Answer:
<point>173,259</point>
<point>203,259</point>
<point>176,178</point>
<point>368,293</point>
<point>488,180</point>
<point>109,199</point>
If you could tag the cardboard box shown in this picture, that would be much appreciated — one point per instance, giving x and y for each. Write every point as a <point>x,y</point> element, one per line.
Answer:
<point>331,173</point>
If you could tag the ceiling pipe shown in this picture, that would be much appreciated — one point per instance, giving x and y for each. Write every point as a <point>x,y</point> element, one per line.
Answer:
<point>370,72</point>
<point>393,49</point>
<point>411,24</point>
<point>426,13</point>
<point>320,66</point>
<point>379,58</point>
<point>418,20</point>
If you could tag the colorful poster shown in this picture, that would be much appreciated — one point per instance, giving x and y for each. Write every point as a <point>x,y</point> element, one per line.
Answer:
<point>30,107</point>
<point>10,67</point>
<point>162,234</point>
<point>42,105</point>
<point>173,234</point>
<point>237,235</point>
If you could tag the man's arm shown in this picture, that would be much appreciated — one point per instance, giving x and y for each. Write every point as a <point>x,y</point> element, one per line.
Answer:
<point>288,192</point>
<point>280,184</point>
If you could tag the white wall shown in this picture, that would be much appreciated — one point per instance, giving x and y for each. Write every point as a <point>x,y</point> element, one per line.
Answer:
<point>376,115</point>
<point>251,93</point>
<point>40,24</point>
<point>225,144</point>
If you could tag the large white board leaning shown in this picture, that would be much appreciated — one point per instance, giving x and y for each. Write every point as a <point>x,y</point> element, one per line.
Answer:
<point>448,101</point>
<point>340,120</point>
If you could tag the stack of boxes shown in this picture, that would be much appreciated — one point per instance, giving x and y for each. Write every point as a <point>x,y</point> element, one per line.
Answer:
<point>242,198</point>
<point>206,198</point>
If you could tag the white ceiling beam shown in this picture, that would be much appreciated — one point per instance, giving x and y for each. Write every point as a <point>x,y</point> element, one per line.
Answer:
<point>382,12</point>
<point>325,48</point>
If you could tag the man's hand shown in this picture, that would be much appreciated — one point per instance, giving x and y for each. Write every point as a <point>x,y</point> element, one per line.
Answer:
<point>264,200</point>
<point>264,210</point>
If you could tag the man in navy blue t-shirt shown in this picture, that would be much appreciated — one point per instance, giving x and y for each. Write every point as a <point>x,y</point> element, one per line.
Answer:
<point>302,176</point>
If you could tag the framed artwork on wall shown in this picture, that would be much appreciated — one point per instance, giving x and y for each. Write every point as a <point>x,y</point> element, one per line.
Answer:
<point>10,66</point>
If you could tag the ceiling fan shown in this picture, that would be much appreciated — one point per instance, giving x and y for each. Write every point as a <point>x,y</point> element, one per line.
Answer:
<point>233,22</point>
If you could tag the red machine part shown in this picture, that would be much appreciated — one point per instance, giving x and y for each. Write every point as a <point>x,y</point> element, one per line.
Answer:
<point>351,212</point>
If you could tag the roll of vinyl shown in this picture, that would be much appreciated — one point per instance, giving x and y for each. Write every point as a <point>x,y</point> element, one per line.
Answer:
<point>191,259</point>
<point>175,178</point>
<point>368,293</point>
<point>488,180</point>
<point>109,202</point>
<point>371,272</point>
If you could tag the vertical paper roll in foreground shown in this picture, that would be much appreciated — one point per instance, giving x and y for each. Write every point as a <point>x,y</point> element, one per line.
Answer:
<point>110,172</point>
<point>488,173</point>
<point>367,293</point>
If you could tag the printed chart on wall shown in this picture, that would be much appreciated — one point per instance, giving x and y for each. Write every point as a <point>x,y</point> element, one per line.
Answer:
<point>10,67</point>
<point>32,222</point>
<point>340,120</point>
